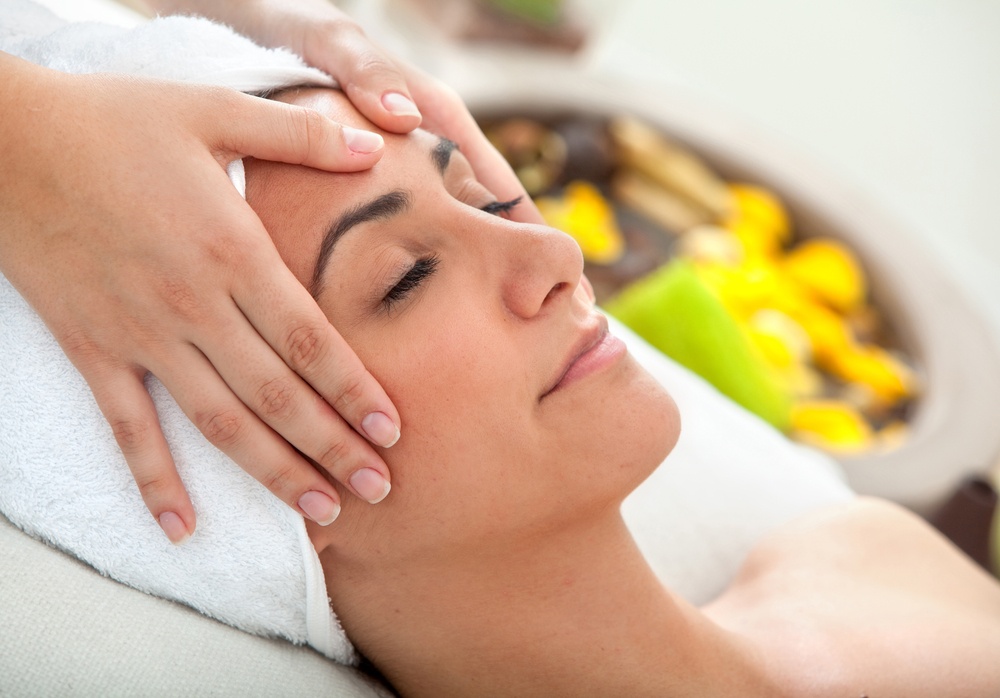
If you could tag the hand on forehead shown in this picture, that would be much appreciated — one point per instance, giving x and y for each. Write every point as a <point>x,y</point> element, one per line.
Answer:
<point>298,205</point>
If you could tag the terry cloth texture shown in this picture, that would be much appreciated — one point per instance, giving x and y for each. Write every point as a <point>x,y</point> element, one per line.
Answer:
<point>730,480</point>
<point>63,478</point>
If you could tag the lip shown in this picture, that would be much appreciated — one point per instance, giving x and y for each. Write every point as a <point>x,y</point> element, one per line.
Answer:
<point>596,349</point>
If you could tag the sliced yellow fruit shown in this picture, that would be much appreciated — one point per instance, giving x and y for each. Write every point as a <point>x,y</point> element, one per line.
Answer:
<point>831,424</point>
<point>586,215</point>
<point>759,219</point>
<point>830,271</point>
<point>889,379</point>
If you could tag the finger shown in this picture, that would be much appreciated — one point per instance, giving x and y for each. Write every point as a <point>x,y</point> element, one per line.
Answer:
<point>130,411</point>
<point>272,130</point>
<point>372,81</point>
<point>447,115</point>
<point>496,175</point>
<point>286,403</point>
<point>232,428</point>
<point>287,317</point>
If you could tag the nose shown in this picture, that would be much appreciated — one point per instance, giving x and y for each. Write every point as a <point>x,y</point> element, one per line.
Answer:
<point>541,267</point>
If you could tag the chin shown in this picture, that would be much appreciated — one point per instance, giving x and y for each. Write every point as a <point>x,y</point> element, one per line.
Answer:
<point>634,427</point>
<point>657,425</point>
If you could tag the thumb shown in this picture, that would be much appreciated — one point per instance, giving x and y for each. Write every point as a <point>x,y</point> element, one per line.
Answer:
<point>270,130</point>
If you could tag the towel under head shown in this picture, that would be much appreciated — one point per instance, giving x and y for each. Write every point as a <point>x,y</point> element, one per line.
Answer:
<point>63,479</point>
<point>62,476</point>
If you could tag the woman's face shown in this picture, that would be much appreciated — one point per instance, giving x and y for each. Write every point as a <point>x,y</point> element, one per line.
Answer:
<point>475,326</point>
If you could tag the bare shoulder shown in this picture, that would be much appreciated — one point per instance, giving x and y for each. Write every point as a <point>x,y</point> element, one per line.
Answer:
<point>874,542</point>
<point>865,597</point>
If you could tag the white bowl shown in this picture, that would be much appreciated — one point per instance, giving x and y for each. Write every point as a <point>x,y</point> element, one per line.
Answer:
<point>954,429</point>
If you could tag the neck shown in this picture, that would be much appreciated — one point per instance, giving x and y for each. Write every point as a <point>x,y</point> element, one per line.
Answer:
<point>578,612</point>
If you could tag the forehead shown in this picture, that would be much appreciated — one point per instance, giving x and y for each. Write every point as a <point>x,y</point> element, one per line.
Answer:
<point>328,102</point>
<point>335,105</point>
<point>297,204</point>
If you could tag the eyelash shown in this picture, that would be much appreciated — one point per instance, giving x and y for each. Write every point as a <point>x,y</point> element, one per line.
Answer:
<point>417,274</point>
<point>425,267</point>
<point>498,208</point>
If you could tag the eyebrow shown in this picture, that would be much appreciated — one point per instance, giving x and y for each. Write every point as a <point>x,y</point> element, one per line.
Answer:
<point>442,153</point>
<point>380,208</point>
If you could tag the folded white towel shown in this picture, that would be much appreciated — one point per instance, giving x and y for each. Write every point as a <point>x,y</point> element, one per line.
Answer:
<point>190,49</point>
<point>62,477</point>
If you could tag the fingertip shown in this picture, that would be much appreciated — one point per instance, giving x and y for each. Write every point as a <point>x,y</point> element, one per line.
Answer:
<point>393,111</point>
<point>380,429</point>
<point>174,527</point>
<point>320,507</point>
<point>362,142</point>
<point>398,104</point>
<point>371,485</point>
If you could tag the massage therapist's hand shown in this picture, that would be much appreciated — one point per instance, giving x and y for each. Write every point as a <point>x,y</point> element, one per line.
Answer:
<point>120,226</point>
<point>391,94</point>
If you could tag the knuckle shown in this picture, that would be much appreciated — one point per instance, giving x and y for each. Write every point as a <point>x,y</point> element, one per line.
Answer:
<point>337,452</point>
<point>351,391</point>
<point>153,487</point>
<point>79,346</point>
<point>131,434</point>
<point>224,428</point>
<point>279,480</point>
<point>276,399</point>
<point>314,128</point>
<point>343,28</point>
<point>371,64</point>
<point>221,250</point>
<point>304,347</point>
<point>179,297</point>
<point>229,245</point>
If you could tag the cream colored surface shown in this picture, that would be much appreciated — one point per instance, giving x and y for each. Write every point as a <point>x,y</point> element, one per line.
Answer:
<point>68,631</point>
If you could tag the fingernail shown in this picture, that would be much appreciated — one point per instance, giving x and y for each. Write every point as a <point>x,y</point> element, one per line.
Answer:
<point>174,527</point>
<point>370,485</point>
<point>362,141</point>
<point>380,429</point>
<point>319,507</point>
<point>400,105</point>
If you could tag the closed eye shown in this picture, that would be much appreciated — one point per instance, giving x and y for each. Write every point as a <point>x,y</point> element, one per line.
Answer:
<point>416,275</point>
<point>500,208</point>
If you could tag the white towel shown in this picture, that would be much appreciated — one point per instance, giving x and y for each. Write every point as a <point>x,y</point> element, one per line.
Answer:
<point>730,479</point>
<point>189,49</point>
<point>62,477</point>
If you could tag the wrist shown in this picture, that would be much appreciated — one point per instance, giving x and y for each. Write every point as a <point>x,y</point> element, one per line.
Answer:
<point>28,89</point>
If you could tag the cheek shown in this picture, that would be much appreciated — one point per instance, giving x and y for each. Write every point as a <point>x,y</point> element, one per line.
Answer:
<point>465,399</point>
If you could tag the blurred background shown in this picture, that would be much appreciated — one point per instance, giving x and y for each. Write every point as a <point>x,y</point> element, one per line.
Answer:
<point>899,97</point>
